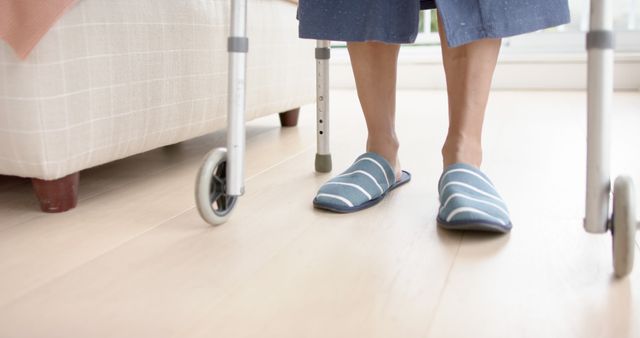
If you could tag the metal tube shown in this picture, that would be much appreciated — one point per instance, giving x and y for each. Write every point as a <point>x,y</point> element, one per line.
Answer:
<point>238,18</point>
<point>237,47</point>
<point>599,95</point>
<point>322,95</point>
<point>323,156</point>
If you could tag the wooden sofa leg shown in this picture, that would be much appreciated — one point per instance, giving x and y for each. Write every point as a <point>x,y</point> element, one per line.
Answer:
<point>289,118</point>
<point>58,195</point>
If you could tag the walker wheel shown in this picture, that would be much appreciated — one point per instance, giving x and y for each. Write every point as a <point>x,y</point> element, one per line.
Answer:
<point>214,205</point>
<point>623,226</point>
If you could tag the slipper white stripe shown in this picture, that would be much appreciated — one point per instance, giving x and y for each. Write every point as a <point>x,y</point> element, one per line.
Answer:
<point>340,198</point>
<point>354,186</point>
<point>366,174</point>
<point>472,188</point>
<point>473,210</point>
<point>384,172</point>
<point>467,171</point>
<point>473,199</point>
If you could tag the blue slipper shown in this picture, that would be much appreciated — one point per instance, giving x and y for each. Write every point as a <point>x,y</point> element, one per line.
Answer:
<point>365,183</point>
<point>469,201</point>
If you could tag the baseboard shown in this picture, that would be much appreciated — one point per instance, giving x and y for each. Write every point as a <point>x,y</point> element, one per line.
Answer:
<point>421,68</point>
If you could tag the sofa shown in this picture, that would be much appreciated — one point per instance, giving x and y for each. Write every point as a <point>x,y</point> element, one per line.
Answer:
<point>116,78</point>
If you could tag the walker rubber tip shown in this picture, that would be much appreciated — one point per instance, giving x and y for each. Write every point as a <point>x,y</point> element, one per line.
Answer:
<point>323,163</point>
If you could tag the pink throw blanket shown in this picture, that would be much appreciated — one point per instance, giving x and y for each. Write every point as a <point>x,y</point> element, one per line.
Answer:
<point>24,22</point>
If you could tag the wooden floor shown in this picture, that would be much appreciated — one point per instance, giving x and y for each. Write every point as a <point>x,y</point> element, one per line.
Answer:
<point>135,260</point>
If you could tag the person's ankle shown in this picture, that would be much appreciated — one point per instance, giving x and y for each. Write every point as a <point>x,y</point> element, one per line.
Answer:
<point>386,147</point>
<point>469,154</point>
<point>388,150</point>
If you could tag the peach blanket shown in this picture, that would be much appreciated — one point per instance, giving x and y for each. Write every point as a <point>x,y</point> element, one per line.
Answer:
<point>24,22</point>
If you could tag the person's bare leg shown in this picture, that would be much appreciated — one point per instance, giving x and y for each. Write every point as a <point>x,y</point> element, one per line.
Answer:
<point>374,68</point>
<point>469,71</point>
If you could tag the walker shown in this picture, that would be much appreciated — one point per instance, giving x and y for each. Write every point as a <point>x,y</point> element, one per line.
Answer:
<point>220,180</point>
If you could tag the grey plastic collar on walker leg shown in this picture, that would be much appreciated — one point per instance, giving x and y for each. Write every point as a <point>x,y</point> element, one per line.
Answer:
<point>323,163</point>
<point>323,53</point>
<point>238,44</point>
<point>600,40</point>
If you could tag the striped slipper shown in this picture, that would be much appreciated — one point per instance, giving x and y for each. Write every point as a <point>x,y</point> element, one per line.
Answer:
<point>469,201</point>
<point>365,183</point>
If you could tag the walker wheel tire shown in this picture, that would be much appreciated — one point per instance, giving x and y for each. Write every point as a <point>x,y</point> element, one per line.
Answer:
<point>623,226</point>
<point>214,205</point>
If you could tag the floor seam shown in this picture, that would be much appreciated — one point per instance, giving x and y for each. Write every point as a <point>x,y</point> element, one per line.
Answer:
<point>444,286</point>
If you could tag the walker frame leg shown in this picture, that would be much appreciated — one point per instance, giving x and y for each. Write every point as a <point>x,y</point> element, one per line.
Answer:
<point>220,180</point>
<point>323,162</point>
<point>238,47</point>
<point>599,218</point>
<point>599,94</point>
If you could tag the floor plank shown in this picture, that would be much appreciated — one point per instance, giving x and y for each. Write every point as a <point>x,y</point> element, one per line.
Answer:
<point>138,196</point>
<point>276,247</point>
<point>147,265</point>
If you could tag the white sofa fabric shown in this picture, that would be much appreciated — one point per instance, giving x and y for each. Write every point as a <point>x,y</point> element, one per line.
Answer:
<point>119,77</point>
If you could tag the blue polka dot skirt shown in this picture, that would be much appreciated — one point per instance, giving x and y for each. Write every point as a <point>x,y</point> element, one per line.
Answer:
<point>396,21</point>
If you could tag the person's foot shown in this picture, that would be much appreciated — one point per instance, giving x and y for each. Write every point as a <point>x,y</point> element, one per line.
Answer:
<point>469,201</point>
<point>365,183</point>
